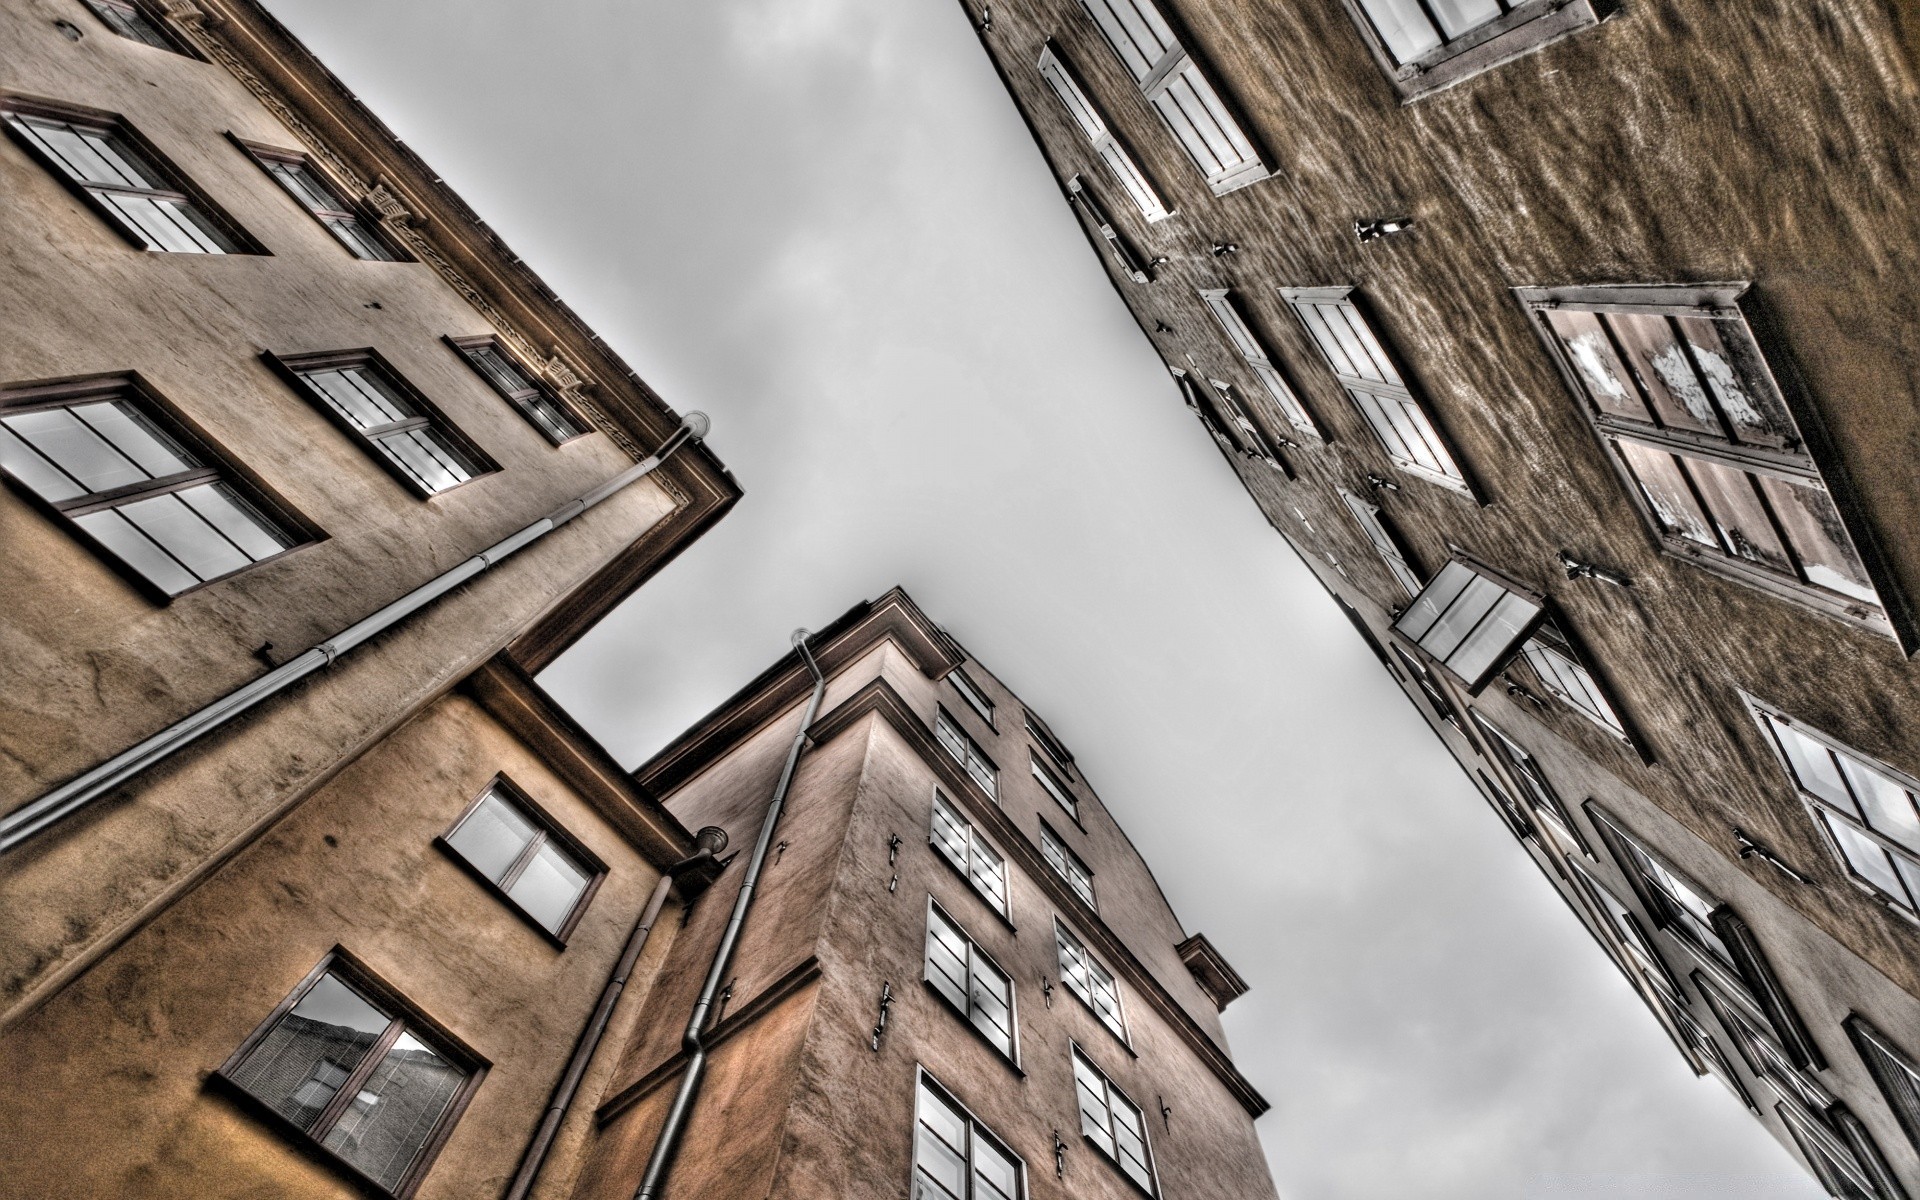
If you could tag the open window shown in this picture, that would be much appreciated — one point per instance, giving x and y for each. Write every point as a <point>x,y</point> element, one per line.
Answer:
<point>1227,419</point>
<point>1092,123</point>
<point>1095,214</point>
<point>1426,45</point>
<point>1470,621</point>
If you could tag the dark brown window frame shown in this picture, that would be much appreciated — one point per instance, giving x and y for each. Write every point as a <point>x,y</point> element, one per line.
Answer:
<point>461,345</point>
<point>260,153</point>
<point>407,1017</point>
<point>1227,417</point>
<point>1010,1055</point>
<point>1055,748</point>
<point>176,43</point>
<point>1088,205</point>
<point>1526,27</point>
<point>179,185</point>
<point>1813,459</point>
<point>550,829</point>
<point>290,366</point>
<point>1868,1042</point>
<point>59,393</point>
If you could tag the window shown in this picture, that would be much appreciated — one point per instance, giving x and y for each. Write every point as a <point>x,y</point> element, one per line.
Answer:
<point>1645,960</point>
<point>1225,310</point>
<point>956,1157</point>
<point>1867,808</point>
<point>1526,772</point>
<point>104,457</point>
<point>975,698</point>
<point>1053,787</point>
<point>961,845</point>
<point>1385,544</point>
<point>1113,1123</point>
<point>968,754</point>
<point>1677,904</point>
<point>1195,113</point>
<point>303,181</point>
<point>1089,206</point>
<point>1430,687</point>
<point>1898,1077</point>
<point>1227,420</point>
<point>1359,624</point>
<point>123,180</point>
<point>1132,180</point>
<point>1375,385</point>
<point>1052,745</point>
<point>1425,45</point>
<point>370,401</point>
<point>542,872</point>
<point>1066,864</point>
<point>1841,1153</point>
<point>355,1071</point>
<point>1505,805</point>
<point>131,21</point>
<point>1087,979</point>
<point>1675,385</point>
<point>1469,621</point>
<point>969,980</point>
<point>537,403</point>
<point>1551,656</point>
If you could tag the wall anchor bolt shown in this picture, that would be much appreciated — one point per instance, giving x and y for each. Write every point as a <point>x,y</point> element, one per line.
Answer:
<point>1166,1112</point>
<point>1059,1156</point>
<point>1752,849</point>
<point>1379,227</point>
<point>779,849</point>
<point>1381,483</point>
<point>893,848</point>
<point>880,1026</point>
<point>893,883</point>
<point>1222,249</point>
<point>1584,570</point>
<point>986,19</point>
<point>1160,326</point>
<point>1046,990</point>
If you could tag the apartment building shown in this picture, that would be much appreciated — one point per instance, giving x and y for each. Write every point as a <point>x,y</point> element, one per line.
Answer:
<point>1567,343</point>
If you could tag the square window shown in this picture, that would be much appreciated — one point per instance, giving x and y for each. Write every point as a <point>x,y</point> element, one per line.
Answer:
<point>526,858</point>
<point>397,425</point>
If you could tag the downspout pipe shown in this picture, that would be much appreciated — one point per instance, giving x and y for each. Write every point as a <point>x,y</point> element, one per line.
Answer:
<point>653,1183</point>
<point>74,795</point>
<point>711,840</point>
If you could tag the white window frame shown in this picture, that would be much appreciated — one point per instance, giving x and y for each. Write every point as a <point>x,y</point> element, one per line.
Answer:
<point>981,971</point>
<point>1226,310</point>
<point>1067,865</point>
<point>1092,124</point>
<point>1366,514</point>
<point>984,867</point>
<point>1090,981</point>
<point>967,752</point>
<point>1113,1103</point>
<point>1497,615</point>
<point>976,1132</point>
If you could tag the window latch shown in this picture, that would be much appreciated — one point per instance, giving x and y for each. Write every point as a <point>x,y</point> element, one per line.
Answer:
<point>1585,570</point>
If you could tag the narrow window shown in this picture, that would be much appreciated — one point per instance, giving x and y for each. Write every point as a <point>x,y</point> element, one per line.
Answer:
<point>1627,929</point>
<point>975,698</point>
<point>1053,787</point>
<point>1195,113</point>
<point>1226,418</point>
<point>1867,808</point>
<point>537,403</point>
<point>1678,905</point>
<point>1233,322</point>
<point>1430,687</point>
<point>1505,805</point>
<point>1133,181</point>
<point>1561,673</point>
<point>955,1157</point>
<point>1089,206</point>
<point>1055,749</point>
<point>1840,1152</point>
<point>1066,864</point>
<point>530,861</point>
<point>970,981</point>
<point>1086,978</point>
<point>1113,1123</point>
<point>370,401</point>
<point>304,182</point>
<point>1426,45</point>
<point>358,1074</point>
<point>1676,387</point>
<point>967,753</point>
<point>1385,544</point>
<point>1525,770</point>
<point>107,460</point>
<point>1893,1070</point>
<point>1469,621</point>
<point>123,180</point>
<point>962,846</point>
<point>134,23</point>
<point>1372,380</point>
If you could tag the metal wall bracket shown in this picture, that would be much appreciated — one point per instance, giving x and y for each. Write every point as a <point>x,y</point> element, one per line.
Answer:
<point>880,1026</point>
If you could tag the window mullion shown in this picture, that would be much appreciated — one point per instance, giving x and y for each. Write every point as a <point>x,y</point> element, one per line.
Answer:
<point>128,493</point>
<point>1164,72</point>
<point>337,1107</point>
<point>404,425</point>
<point>520,864</point>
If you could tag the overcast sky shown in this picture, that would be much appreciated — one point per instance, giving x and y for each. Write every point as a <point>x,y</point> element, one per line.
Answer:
<point>822,222</point>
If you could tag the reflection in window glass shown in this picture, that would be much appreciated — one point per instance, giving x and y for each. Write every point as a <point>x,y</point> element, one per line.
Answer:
<point>420,448</point>
<point>1113,1123</point>
<point>961,844</point>
<point>956,1157</point>
<point>505,844</point>
<point>1469,623</point>
<point>970,981</point>
<point>145,201</point>
<point>1088,979</point>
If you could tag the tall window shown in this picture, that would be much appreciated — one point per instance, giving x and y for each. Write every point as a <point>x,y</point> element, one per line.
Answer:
<point>971,693</point>
<point>1541,797</point>
<point>971,981</point>
<point>123,180</point>
<point>1053,787</point>
<point>1894,1071</point>
<point>1428,44</point>
<point>370,401</point>
<point>1374,383</point>
<point>1130,263</point>
<point>356,1072</point>
<point>1056,750</point>
<point>1086,978</point>
<point>108,461</point>
<point>1469,621</point>
<point>1677,904</point>
<point>955,1157</point>
<point>1553,661</point>
<point>1867,808</point>
<point>536,402</point>
<point>961,845</point>
<point>133,22</point>
<point>1133,181</point>
<point>1066,864</point>
<point>526,858</point>
<point>304,182</point>
<point>1194,112</point>
<point>1113,1123</point>
<point>1225,310</point>
<point>1430,687</point>
<point>967,753</point>
<point>1677,389</point>
<point>1367,515</point>
<point>1227,419</point>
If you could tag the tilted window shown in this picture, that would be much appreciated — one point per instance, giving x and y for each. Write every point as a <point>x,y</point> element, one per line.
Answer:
<point>374,405</point>
<point>1469,622</point>
<point>1053,787</point>
<point>971,693</point>
<point>1090,121</point>
<point>106,459</point>
<point>350,1067</point>
<point>1678,904</point>
<point>967,753</point>
<point>135,23</point>
<point>1429,44</point>
<point>1066,864</point>
<point>1367,515</point>
<point>969,980</point>
<point>526,857</point>
<point>1430,687</point>
<point>1893,1070</point>
<point>1841,1153</point>
<point>1113,1123</point>
<point>1868,809</point>
<point>1220,302</point>
<point>1675,385</point>
<point>123,180</point>
<point>297,175</point>
<point>547,412</point>
<point>1526,772</point>
<point>955,1157</point>
<point>1089,206</point>
<point>1560,671</point>
<point>1374,383</point>
<point>1195,113</point>
<point>1226,419</point>
<point>961,845</point>
<point>1086,978</point>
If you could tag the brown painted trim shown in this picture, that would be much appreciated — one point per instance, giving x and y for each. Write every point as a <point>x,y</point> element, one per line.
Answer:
<point>1215,974</point>
<point>551,830</point>
<point>790,981</point>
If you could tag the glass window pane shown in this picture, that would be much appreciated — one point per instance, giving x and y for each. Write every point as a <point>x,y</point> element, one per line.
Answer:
<point>1603,376</point>
<point>361,396</point>
<point>940,1164</point>
<point>136,437</point>
<point>1667,494</point>
<point>240,522</point>
<point>1665,373</point>
<point>1888,804</point>
<point>1865,856</point>
<point>298,1067</point>
<point>305,186</point>
<point>1356,351</point>
<point>1460,618</point>
<point>1316,323</point>
<point>1459,16</point>
<point>1403,27</point>
<point>1736,511</point>
<point>355,236</point>
<point>949,833</point>
<point>1493,640</point>
<point>396,1111</point>
<point>1813,765</point>
<point>1812,523</point>
<point>1078,108</point>
<point>995,1171</point>
<point>79,449</point>
<point>137,550</point>
<point>182,532</point>
<point>27,465</point>
<point>426,457</point>
<point>550,886</point>
<point>1376,354</point>
<point>1137,43</point>
<point>1735,376</point>
<point>493,835</point>
<point>1439,595</point>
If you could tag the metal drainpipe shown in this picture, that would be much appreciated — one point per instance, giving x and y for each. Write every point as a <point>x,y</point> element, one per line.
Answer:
<point>693,1041</point>
<point>36,815</point>
<point>711,840</point>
